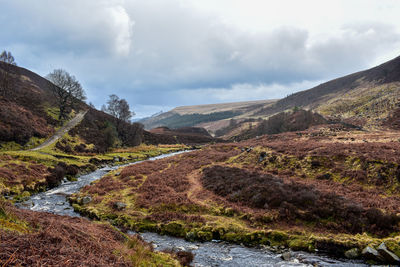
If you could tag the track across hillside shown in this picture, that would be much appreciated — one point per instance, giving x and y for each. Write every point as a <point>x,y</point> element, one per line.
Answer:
<point>63,130</point>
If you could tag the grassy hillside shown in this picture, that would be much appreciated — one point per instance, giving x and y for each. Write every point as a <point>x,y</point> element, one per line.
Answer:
<point>366,97</point>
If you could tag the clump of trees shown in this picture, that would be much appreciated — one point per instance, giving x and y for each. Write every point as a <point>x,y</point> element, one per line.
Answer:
<point>67,90</point>
<point>7,60</point>
<point>119,108</point>
<point>125,131</point>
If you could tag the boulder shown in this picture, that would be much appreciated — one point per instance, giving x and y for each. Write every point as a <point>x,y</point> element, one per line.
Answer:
<point>119,205</point>
<point>352,253</point>
<point>287,256</point>
<point>370,253</point>
<point>86,200</point>
<point>191,236</point>
<point>387,255</point>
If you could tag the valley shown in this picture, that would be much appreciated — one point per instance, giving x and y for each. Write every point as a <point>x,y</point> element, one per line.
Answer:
<point>317,172</point>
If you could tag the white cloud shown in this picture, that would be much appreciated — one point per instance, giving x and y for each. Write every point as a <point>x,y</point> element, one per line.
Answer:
<point>123,28</point>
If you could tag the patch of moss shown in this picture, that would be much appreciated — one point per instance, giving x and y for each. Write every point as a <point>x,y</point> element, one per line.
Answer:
<point>9,222</point>
<point>144,256</point>
<point>7,146</point>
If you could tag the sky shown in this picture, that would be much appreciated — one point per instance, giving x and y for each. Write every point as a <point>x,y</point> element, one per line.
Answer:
<point>159,54</point>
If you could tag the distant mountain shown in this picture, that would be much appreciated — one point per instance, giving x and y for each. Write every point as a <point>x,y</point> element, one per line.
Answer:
<point>366,98</point>
<point>211,116</point>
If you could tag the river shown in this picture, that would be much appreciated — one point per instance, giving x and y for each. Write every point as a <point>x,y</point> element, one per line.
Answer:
<point>214,253</point>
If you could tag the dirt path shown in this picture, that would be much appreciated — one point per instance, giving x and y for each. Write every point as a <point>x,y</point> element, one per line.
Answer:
<point>63,130</point>
<point>197,194</point>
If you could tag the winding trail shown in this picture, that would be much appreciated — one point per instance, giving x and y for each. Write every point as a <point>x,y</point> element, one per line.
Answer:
<point>63,130</point>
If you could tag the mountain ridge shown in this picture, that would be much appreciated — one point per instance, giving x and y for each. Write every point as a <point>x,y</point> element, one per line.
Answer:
<point>364,98</point>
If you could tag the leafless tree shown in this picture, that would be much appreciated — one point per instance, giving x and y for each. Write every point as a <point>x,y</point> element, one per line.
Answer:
<point>119,108</point>
<point>67,90</point>
<point>6,61</point>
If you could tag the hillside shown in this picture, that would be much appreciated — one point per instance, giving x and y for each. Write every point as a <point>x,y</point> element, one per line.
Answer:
<point>366,98</point>
<point>211,117</point>
<point>29,116</point>
<point>299,120</point>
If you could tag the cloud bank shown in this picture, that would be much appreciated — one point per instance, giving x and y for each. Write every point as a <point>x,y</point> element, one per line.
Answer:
<point>160,53</point>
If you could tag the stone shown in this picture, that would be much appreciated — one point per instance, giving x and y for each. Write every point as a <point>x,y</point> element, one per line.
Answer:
<point>352,253</point>
<point>116,159</point>
<point>262,156</point>
<point>191,236</point>
<point>370,253</point>
<point>287,256</point>
<point>326,176</point>
<point>274,249</point>
<point>119,205</point>
<point>387,255</point>
<point>86,200</point>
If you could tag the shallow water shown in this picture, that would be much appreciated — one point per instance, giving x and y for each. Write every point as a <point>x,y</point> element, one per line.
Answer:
<point>224,254</point>
<point>206,254</point>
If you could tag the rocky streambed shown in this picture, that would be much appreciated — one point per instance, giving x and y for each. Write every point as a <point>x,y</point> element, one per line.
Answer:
<point>215,253</point>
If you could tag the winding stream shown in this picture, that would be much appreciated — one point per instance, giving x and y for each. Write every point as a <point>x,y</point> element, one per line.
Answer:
<point>206,254</point>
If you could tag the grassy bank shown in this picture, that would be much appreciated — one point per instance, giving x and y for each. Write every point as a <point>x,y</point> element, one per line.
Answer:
<point>25,172</point>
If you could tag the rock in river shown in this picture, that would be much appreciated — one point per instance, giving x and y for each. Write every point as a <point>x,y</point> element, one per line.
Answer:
<point>370,253</point>
<point>388,256</point>
<point>352,253</point>
<point>287,256</point>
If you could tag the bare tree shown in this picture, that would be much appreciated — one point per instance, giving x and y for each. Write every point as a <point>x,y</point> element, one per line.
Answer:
<point>67,90</point>
<point>6,59</point>
<point>119,108</point>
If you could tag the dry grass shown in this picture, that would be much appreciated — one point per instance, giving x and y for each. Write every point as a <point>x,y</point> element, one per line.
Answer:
<point>65,241</point>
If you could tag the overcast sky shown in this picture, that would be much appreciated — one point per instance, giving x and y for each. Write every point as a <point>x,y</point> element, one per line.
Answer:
<point>159,54</point>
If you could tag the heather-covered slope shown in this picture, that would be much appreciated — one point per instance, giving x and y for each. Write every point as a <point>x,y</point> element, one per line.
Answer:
<point>28,116</point>
<point>185,135</point>
<point>30,238</point>
<point>367,97</point>
<point>27,111</point>
<point>297,120</point>
<point>328,189</point>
